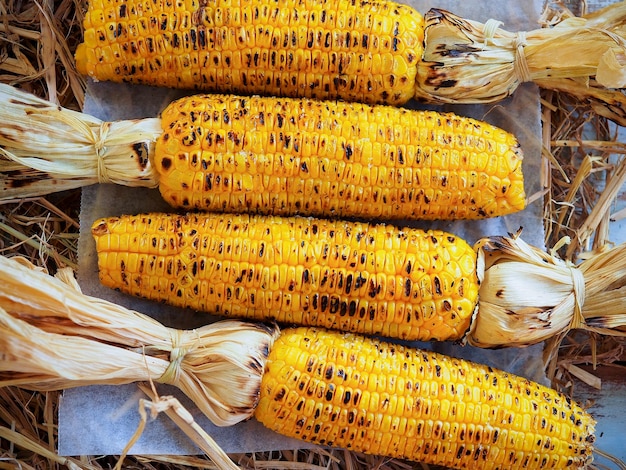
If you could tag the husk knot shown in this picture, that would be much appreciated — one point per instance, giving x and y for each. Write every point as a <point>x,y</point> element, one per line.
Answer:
<point>171,375</point>
<point>100,138</point>
<point>520,64</point>
<point>579,292</point>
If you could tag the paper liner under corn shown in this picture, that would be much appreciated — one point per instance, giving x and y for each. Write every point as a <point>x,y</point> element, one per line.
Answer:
<point>466,61</point>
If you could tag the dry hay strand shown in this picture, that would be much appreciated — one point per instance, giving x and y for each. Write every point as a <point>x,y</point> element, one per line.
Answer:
<point>585,168</point>
<point>37,40</point>
<point>587,349</point>
<point>43,230</point>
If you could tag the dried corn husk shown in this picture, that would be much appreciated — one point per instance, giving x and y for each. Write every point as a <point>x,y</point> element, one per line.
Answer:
<point>54,337</point>
<point>45,148</point>
<point>466,61</point>
<point>528,296</point>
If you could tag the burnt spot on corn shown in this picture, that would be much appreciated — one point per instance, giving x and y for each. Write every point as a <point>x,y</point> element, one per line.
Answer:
<point>437,285</point>
<point>166,163</point>
<point>101,227</point>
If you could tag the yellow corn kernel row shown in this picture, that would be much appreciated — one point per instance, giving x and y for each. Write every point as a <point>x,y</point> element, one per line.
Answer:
<point>376,279</point>
<point>300,156</point>
<point>362,51</point>
<point>365,395</point>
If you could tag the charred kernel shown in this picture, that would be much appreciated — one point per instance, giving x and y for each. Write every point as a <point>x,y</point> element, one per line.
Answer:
<point>407,287</point>
<point>280,394</point>
<point>166,162</point>
<point>437,285</point>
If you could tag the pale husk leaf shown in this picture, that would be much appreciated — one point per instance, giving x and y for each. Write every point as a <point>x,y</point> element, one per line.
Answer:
<point>55,337</point>
<point>38,360</point>
<point>45,148</point>
<point>465,61</point>
<point>528,296</point>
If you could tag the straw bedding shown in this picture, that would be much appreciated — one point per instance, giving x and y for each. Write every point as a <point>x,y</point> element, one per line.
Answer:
<point>584,170</point>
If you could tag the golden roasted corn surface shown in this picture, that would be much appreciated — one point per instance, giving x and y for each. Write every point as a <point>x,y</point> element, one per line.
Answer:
<point>362,394</point>
<point>349,49</point>
<point>351,276</point>
<point>300,156</point>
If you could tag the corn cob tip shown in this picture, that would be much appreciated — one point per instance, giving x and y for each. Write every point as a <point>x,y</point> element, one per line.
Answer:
<point>80,59</point>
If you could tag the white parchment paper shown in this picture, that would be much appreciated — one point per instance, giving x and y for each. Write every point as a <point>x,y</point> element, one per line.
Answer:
<point>100,420</point>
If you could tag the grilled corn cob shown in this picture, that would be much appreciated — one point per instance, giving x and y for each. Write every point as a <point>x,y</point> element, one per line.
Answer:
<point>377,279</point>
<point>290,156</point>
<point>330,388</point>
<point>366,395</point>
<point>374,52</point>
<point>268,155</point>
<point>362,51</point>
